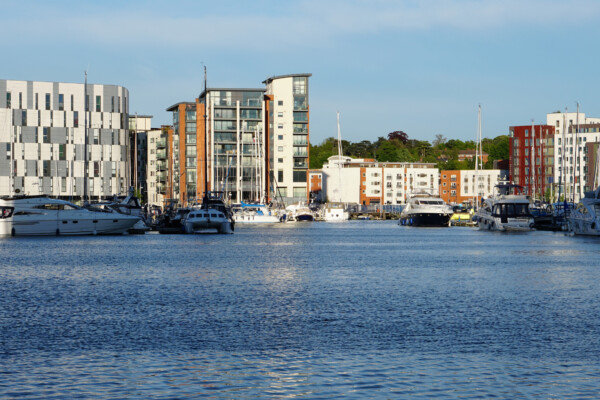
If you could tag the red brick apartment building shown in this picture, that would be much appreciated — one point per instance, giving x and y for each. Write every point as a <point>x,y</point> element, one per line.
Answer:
<point>532,158</point>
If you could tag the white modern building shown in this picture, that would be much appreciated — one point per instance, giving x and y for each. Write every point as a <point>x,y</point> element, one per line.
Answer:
<point>570,164</point>
<point>288,120</point>
<point>156,167</point>
<point>366,181</point>
<point>49,150</point>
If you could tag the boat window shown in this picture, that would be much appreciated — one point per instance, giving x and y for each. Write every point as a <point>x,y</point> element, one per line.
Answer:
<point>6,212</point>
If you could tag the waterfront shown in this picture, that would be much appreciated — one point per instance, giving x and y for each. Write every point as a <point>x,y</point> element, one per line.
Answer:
<point>354,310</point>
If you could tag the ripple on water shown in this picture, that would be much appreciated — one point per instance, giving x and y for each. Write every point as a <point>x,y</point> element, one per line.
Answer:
<point>316,311</point>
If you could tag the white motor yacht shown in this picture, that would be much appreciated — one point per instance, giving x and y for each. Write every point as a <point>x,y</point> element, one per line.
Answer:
<point>335,212</point>
<point>506,210</point>
<point>213,215</point>
<point>128,205</point>
<point>45,216</point>
<point>300,212</point>
<point>585,218</point>
<point>256,214</point>
<point>426,209</point>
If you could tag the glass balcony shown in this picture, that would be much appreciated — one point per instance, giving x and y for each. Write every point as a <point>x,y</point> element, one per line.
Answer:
<point>161,143</point>
<point>161,153</point>
<point>161,165</point>
<point>300,163</point>
<point>300,140</point>
<point>162,176</point>
<point>161,188</point>
<point>300,152</point>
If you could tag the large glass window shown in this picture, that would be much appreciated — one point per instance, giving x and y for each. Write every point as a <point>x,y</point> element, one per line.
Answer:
<point>225,137</point>
<point>190,138</point>
<point>8,100</point>
<point>300,85</point>
<point>190,127</point>
<point>190,115</point>
<point>301,128</point>
<point>190,151</point>
<point>224,113</point>
<point>300,116</point>
<point>300,140</point>
<point>225,125</point>
<point>247,114</point>
<point>47,101</point>
<point>300,175</point>
<point>300,192</point>
<point>98,103</point>
<point>61,102</point>
<point>300,103</point>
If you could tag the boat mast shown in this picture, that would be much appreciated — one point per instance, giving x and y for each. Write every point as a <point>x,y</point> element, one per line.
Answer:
<point>339,159</point>
<point>532,161</point>
<point>575,172</point>
<point>205,140</point>
<point>476,177</point>
<point>85,146</point>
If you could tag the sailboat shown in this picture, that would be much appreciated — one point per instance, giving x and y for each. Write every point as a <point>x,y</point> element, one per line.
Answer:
<point>336,211</point>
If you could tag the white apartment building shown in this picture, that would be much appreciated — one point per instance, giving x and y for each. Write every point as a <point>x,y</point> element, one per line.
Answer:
<point>156,167</point>
<point>364,181</point>
<point>287,97</point>
<point>569,148</point>
<point>44,138</point>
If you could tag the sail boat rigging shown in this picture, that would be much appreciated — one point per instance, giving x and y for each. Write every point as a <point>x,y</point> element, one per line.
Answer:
<point>336,211</point>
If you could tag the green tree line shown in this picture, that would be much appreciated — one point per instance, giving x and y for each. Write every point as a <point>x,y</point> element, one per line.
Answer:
<point>398,147</point>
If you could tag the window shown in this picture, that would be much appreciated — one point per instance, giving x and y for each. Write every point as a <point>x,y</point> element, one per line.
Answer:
<point>20,100</point>
<point>280,148</point>
<point>47,101</point>
<point>72,101</point>
<point>98,103</point>
<point>300,192</point>
<point>36,102</point>
<point>280,137</point>
<point>280,115</point>
<point>96,169</point>
<point>112,104</point>
<point>299,176</point>
<point>46,135</point>
<point>61,102</point>
<point>62,152</point>
<point>280,103</point>
<point>46,168</point>
<point>280,176</point>
<point>280,160</point>
<point>75,119</point>
<point>63,184</point>
<point>8,101</point>
<point>279,126</point>
<point>299,85</point>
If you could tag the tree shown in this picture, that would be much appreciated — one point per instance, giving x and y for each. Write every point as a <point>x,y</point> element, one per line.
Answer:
<point>398,135</point>
<point>439,140</point>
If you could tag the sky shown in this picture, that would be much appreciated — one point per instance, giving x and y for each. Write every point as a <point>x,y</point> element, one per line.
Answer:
<point>420,66</point>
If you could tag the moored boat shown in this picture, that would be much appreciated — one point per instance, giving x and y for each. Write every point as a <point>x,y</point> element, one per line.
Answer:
<point>45,216</point>
<point>426,209</point>
<point>506,210</point>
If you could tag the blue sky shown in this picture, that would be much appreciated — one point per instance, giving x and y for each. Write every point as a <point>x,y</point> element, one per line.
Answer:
<point>417,66</point>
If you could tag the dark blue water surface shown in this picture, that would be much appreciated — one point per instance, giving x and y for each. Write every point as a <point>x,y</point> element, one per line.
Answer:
<point>356,310</point>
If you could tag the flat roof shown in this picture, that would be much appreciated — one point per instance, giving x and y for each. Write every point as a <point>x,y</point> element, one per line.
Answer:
<point>271,79</point>
<point>140,116</point>
<point>217,89</point>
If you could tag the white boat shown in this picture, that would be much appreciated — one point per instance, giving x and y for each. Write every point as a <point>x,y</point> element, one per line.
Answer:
<point>506,210</point>
<point>584,219</point>
<point>299,212</point>
<point>256,214</point>
<point>45,216</point>
<point>426,209</point>
<point>334,212</point>
<point>212,215</point>
<point>127,205</point>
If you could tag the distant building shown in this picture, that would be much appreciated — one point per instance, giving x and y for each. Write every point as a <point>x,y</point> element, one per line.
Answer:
<point>139,126</point>
<point>366,181</point>
<point>256,142</point>
<point>570,157</point>
<point>532,159</point>
<point>47,148</point>
<point>468,186</point>
<point>315,185</point>
<point>469,154</point>
<point>157,174</point>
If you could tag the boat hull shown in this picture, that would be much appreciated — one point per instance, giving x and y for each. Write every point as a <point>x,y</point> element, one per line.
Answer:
<point>510,225</point>
<point>120,224</point>
<point>426,220</point>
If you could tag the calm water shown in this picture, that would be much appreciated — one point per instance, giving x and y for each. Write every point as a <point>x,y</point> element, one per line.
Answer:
<point>356,310</point>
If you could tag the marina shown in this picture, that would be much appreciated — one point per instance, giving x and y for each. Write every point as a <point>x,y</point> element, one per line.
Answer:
<point>361,309</point>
